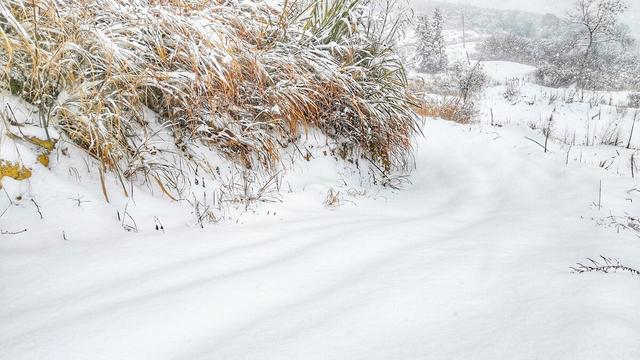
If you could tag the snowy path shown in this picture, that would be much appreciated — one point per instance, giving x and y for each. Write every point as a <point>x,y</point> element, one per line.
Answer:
<point>470,261</point>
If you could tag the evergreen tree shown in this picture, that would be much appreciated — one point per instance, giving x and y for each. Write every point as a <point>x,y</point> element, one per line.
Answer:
<point>441,61</point>
<point>423,49</point>
<point>431,56</point>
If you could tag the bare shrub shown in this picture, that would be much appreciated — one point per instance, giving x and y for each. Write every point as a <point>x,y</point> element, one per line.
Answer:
<point>513,90</point>
<point>247,187</point>
<point>469,82</point>
<point>332,199</point>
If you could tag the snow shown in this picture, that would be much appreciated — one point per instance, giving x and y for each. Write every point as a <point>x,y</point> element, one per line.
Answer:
<point>502,70</point>
<point>577,117</point>
<point>469,261</point>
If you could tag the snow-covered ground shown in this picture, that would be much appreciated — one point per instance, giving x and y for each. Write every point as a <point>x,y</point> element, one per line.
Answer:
<point>470,260</point>
<point>589,126</point>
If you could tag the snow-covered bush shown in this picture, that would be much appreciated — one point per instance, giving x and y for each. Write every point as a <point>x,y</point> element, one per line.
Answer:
<point>453,95</point>
<point>466,83</point>
<point>508,47</point>
<point>633,100</point>
<point>512,90</point>
<point>558,72</point>
<point>240,77</point>
<point>469,81</point>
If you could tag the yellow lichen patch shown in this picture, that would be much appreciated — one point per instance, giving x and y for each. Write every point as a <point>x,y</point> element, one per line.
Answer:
<point>45,146</point>
<point>48,145</point>
<point>44,159</point>
<point>13,170</point>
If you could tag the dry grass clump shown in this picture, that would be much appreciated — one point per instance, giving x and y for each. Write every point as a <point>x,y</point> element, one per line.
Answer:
<point>457,92</point>
<point>242,78</point>
<point>452,109</point>
<point>333,199</point>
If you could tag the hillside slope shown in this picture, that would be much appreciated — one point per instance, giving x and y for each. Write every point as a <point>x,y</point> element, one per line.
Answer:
<point>470,261</point>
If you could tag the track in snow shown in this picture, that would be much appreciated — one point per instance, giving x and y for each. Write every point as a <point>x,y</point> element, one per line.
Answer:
<point>470,261</point>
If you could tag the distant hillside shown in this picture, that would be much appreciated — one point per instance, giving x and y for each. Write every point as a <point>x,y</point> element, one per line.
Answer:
<point>485,20</point>
<point>522,10</point>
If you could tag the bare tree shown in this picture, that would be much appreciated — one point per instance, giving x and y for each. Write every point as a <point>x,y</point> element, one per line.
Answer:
<point>597,22</point>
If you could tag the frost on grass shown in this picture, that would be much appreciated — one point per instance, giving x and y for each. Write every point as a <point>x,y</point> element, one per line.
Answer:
<point>243,79</point>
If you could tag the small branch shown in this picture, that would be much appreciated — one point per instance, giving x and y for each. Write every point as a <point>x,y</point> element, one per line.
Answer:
<point>635,115</point>
<point>606,265</point>
<point>600,196</point>
<point>530,139</point>
<point>3,232</point>
<point>133,226</point>
<point>158,224</point>
<point>37,208</point>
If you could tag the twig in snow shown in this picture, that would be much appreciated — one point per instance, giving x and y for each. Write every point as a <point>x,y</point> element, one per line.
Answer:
<point>5,210</point>
<point>635,115</point>
<point>600,196</point>
<point>158,223</point>
<point>37,208</point>
<point>606,266</point>
<point>542,146</point>
<point>3,232</point>
<point>79,201</point>
<point>547,133</point>
<point>627,222</point>
<point>128,227</point>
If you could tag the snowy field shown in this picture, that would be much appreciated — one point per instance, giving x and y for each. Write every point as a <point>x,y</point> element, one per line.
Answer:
<point>308,239</point>
<point>470,260</point>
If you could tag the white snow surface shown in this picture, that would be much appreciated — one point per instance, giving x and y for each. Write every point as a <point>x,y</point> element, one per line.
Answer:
<point>504,70</point>
<point>469,261</point>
